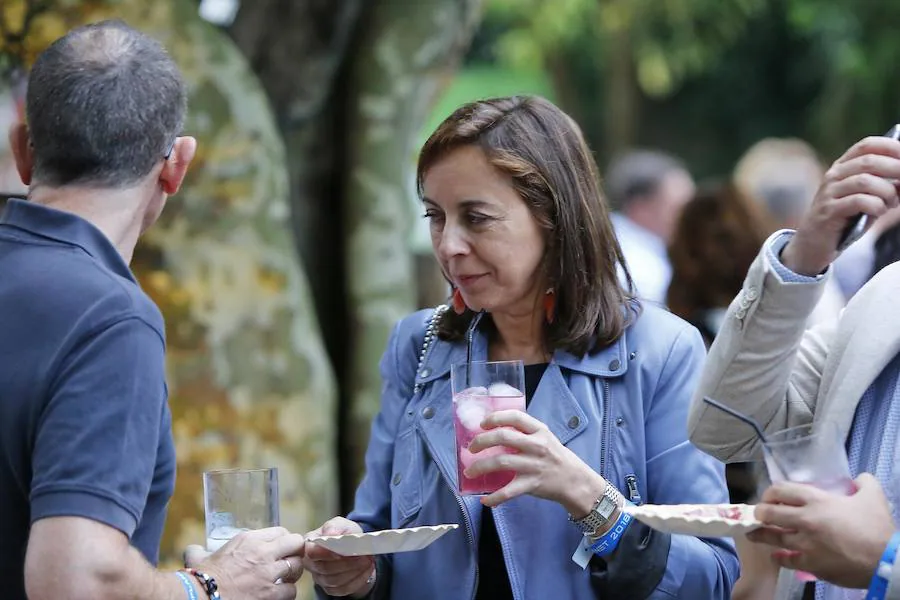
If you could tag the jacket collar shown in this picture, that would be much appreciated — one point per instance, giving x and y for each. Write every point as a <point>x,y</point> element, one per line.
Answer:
<point>606,362</point>
<point>65,228</point>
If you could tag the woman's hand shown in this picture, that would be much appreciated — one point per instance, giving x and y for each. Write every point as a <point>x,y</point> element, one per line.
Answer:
<point>543,466</point>
<point>339,575</point>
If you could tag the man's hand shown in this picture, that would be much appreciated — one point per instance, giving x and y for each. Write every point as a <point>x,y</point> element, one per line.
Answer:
<point>861,181</point>
<point>73,558</point>
<point>837,538</point>
<point>265,564</point>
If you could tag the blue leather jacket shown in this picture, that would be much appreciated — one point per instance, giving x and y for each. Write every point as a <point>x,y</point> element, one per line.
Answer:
<point>622,410</point>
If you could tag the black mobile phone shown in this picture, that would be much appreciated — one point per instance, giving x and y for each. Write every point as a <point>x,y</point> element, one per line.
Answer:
<point>858,225</point>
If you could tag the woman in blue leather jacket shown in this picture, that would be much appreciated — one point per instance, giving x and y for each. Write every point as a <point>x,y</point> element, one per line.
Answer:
<point>522,232</point>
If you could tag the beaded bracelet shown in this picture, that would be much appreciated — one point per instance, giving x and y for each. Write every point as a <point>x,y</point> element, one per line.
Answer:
<point>187,585</point>
<point>209,584</point>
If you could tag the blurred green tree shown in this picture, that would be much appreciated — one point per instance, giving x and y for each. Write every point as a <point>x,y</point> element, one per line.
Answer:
<point>706,78</point>
<point>605,55</point>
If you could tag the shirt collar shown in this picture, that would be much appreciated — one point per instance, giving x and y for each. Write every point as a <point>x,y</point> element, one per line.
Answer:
<point>626,227</point>
<point>65,228</point>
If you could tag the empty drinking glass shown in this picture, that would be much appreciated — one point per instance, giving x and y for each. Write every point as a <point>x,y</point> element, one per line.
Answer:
<point>238,500</point>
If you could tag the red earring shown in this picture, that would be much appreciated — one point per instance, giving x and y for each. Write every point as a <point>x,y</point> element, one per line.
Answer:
<point>459,305</point>
<point>550,305</point>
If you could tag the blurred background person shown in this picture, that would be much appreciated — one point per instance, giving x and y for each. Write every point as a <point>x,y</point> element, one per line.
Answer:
<point>783,174</point>
<point>648,189</point>
<point>718,235</point>
<point>716,238</point>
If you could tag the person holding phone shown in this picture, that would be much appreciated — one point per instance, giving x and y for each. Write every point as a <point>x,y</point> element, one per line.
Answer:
<point>765,364</point>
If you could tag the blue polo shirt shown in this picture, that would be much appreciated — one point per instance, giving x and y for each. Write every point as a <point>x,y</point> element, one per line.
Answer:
<point>85,428</point>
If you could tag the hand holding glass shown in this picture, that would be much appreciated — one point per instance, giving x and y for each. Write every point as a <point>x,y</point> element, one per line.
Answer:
<point>812,456</point>
<point>480,388</point>
<point>238,500</point>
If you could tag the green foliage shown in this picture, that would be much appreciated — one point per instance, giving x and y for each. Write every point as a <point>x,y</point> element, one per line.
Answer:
<point>859,37</point>
<point>482,81</point>
<point>669,39</point>
<point>28,26</point>
<point>706,78</point>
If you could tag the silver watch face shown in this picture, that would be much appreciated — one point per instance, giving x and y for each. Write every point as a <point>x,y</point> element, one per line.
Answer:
<point>601,512</point>
<point>606,507</point>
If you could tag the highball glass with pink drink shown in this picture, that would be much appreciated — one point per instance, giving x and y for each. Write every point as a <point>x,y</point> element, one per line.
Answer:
<point>810,454</point>
<point>480,388</point>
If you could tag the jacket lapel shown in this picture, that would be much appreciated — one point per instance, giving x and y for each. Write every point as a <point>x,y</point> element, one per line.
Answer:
<point>556,407</point>
<point>867,339</point>
<point>438,431</point>
<point>553,402</point>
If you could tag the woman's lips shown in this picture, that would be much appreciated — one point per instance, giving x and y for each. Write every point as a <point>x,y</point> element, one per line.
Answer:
<point>467,280</point>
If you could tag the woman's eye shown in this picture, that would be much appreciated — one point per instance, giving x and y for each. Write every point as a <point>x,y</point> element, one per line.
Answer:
<point>477,218</point>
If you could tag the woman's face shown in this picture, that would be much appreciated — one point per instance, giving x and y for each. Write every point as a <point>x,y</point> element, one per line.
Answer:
<point>483,234</point>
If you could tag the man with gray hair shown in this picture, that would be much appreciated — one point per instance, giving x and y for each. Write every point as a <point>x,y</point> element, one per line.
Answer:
<point>87,459</point>
<point>783,175</point>
<point>648,190</point>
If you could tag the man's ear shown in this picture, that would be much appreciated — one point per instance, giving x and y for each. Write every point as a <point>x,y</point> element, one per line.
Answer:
<point>176,166</point>
<point>23,152</point>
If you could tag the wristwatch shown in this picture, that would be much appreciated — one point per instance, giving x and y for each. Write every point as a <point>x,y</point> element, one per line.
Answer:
<point>602,512</point>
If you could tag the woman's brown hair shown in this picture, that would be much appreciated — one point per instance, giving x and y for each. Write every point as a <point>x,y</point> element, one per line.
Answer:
<point>718,235</point>
<point>544,153</point>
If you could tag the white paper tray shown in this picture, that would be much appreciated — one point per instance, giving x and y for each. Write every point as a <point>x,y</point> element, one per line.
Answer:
<point>388,541</point>
<point>702,520</point>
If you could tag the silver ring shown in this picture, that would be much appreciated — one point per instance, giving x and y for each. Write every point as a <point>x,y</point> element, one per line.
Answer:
<point>290,569</point>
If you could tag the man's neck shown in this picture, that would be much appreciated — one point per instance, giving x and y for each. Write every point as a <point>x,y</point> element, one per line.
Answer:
<point>644,218</point>
<point>118,214</point>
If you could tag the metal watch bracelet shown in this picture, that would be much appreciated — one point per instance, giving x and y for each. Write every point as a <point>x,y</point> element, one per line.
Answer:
<point>601,513</point>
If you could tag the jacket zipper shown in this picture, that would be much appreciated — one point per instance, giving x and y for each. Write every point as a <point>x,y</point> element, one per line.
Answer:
<point>604,427</point>
<point>504,543</point>
<point>634,495</point>
<point>470,535</point>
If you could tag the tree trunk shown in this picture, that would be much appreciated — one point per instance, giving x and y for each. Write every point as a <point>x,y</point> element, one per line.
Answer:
<point>298,50</point>
<point>405,50</point>
<point>249,382</point>
<point>351,87</point>
<point>622,98</point>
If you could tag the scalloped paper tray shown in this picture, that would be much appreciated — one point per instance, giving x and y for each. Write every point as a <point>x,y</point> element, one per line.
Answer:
<point>701,520</point>
<point>388,541</point>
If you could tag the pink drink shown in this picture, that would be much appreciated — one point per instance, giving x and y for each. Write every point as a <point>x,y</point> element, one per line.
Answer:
<point>814,457</point>
<point>470,407</point>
